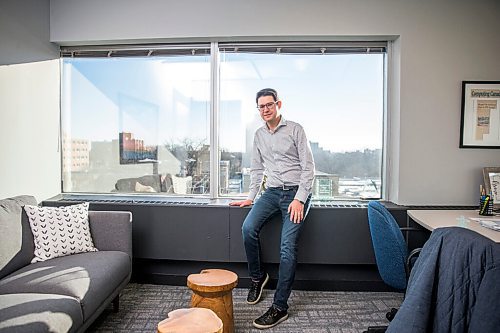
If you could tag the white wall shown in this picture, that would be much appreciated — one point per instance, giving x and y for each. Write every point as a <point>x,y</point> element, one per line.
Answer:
<point>29,101</point>
<point>29,124</point>
<point>439,43</point>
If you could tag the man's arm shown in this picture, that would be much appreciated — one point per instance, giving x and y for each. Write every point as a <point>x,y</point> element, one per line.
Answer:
<point>256,176</point>
<point>306,165</point>
<point>256,171</point>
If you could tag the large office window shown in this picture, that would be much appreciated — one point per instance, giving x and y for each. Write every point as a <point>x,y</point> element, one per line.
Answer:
<point>136,123</point>
<point>144,119</point>
<point>336,93</point>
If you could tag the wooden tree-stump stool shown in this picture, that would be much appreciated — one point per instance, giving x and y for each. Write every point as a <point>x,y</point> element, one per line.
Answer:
<point>212,289</point>
<point>193,320</point>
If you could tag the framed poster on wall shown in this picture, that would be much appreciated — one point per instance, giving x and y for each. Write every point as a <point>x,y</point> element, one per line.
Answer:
<point>480,121</point>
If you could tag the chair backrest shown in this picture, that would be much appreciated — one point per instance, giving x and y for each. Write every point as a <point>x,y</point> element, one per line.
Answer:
<point>389,245</point>
<point>182,185</point>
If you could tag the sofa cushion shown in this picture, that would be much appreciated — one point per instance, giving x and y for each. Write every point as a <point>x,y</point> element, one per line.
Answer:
<point>166,183</point>
<point>60,231</point>
<point>143,188</point>
<point>30,312</point>
<point>16,240</point>
<point>128,184</point>
<point>89,277</point>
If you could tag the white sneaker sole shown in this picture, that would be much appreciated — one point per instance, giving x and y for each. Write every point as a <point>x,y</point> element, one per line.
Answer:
<point>261,290</point>
<point>261,327</point>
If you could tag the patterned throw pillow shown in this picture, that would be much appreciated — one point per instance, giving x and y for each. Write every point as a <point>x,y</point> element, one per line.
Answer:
<point>144,188</point>
<point>60,231</point>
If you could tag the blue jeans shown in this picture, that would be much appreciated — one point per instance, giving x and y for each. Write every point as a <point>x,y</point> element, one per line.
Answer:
<point>274,200</point>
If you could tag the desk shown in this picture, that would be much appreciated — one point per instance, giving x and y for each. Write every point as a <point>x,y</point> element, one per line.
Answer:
<point>433,219</point>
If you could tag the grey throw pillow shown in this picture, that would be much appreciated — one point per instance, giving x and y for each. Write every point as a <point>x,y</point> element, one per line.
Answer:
<point>60,231</point>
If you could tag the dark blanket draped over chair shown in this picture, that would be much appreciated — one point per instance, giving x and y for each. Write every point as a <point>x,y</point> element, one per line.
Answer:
<point>454,285</point>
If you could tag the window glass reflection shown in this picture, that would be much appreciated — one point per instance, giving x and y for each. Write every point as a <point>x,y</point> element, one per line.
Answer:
<point>338,98</point>
<point>136,125</point>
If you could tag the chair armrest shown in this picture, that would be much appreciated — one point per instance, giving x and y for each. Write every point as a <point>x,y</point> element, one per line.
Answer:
<point>414,253</point>
<point>410,261</point>
<point>111,231</point>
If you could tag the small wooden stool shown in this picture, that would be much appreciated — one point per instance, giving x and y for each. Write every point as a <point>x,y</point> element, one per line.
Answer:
<point>212,289</point>
<point>193,320</point>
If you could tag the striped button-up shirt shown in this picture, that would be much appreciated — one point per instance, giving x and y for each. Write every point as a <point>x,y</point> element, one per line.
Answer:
<point>284,155</point>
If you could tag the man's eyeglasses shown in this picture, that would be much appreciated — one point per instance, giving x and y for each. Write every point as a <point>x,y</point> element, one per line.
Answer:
<point>269,106</point>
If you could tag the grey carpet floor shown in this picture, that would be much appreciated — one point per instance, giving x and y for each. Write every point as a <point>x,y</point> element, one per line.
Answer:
<point>142,306</point>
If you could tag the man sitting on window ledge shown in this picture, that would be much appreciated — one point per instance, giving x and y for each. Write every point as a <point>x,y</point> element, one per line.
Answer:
<point>282,151</point>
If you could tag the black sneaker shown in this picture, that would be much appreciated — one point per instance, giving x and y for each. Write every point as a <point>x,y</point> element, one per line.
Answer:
<point>271,318</point>
<point>256,288</point>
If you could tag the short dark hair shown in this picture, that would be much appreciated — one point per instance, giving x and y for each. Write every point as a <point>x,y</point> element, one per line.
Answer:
<point>267,92</point>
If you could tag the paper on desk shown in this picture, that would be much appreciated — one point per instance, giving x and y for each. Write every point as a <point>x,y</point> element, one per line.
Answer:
<point>490,223</point>
<point>492,219</point>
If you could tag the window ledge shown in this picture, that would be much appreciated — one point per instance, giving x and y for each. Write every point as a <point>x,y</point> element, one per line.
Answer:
<point>182,201</point>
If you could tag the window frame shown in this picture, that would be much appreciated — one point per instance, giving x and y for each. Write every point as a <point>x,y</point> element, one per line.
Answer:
<point>216,48</point>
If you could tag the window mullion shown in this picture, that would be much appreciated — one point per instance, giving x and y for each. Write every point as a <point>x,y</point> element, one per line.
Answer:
<point>214,120</point>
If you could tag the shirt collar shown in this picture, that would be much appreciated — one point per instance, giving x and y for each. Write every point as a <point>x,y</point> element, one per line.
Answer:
<point>282,122</point>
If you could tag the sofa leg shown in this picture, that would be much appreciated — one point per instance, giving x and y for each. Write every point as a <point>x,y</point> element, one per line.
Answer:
<point>116,303</point>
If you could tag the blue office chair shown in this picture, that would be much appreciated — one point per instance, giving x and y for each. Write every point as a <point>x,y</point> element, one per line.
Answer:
<point>391,252</point>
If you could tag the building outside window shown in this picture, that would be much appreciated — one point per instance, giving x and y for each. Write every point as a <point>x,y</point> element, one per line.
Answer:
<point>336,94</point>
<point>146,121</point>
<point>142,120</point>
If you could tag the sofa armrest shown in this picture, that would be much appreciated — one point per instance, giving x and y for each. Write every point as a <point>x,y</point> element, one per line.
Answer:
<point>111,231</point>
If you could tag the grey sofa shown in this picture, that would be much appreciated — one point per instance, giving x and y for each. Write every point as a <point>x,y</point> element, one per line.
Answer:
<point>64,294</point>
<point>156,182</point>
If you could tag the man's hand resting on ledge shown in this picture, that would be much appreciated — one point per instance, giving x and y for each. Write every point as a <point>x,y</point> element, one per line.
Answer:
<point>243,203</point>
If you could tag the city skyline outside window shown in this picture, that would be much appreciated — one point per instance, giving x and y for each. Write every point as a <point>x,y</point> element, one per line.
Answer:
<point>337,98</point>
<point>143,120</point>
<point>141,124</point>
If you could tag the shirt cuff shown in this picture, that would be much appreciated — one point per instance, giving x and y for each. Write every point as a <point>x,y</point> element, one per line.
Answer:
<point>252,195</point>
<point>301,195</point>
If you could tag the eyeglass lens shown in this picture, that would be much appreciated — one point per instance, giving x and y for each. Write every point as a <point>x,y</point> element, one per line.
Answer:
<point>268,105</point>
